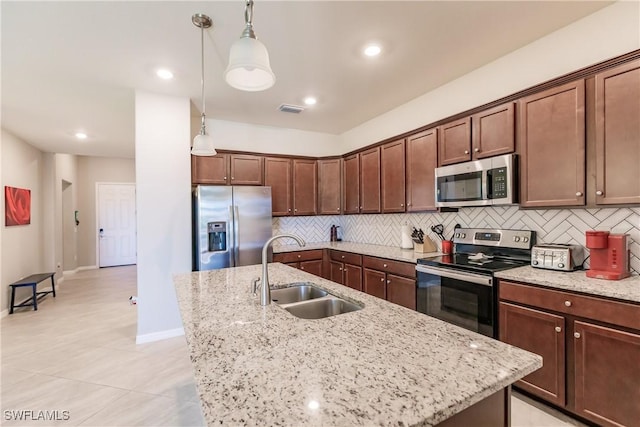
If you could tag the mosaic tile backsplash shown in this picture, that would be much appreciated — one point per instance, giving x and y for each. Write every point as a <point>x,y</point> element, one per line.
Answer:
<point>551,226</point>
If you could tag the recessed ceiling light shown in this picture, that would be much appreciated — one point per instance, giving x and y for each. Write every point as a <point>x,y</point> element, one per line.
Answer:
<point>310,100</point>
<point>81,135</point>
<point>164,74</point>
<point>372,50</point>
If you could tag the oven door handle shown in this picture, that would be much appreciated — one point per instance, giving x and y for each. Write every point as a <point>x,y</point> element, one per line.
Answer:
<point>473,278</point>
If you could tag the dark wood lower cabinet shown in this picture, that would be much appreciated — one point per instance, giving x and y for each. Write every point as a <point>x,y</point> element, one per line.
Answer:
<point>374,283</point>
<point>353,276</point>
<point>312,267</point>
<point>310,261</point>
<point>401,291</point>
<point>335,272</point>
<point>590,346</point>
<point>607,374</point>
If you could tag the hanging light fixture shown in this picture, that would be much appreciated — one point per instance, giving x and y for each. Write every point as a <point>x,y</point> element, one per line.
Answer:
<point>202,143</point>
<point>249,67</point>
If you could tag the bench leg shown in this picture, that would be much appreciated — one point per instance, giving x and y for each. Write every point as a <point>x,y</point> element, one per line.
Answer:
<point>35,299</point>
<point>53,286</point>
<point>13,299</point>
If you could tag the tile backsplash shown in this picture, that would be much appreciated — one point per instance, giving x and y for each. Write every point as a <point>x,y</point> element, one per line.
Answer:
<point>551,226</point>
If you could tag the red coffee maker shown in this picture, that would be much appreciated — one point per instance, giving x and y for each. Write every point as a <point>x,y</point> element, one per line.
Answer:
<point>610,255</point>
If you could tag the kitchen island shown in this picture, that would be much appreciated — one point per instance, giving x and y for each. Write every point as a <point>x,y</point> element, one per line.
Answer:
<point>381,365</point>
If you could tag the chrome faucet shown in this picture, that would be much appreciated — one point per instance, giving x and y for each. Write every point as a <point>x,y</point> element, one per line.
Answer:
<point>265,292</point>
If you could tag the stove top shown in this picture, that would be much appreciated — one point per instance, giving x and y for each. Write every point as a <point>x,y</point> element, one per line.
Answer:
<point>470,262</point>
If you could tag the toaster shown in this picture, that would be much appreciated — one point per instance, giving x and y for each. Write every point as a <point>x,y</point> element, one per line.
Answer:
<point>557,256</point>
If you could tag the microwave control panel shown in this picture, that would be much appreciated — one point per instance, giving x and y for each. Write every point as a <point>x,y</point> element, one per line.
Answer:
<point>498,178</point>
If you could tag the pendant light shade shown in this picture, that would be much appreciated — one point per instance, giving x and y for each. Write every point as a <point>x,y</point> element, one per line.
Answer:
<point>202,143</point>
<point>249,67</point>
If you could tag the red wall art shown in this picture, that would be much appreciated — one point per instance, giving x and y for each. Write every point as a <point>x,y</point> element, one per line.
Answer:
<point>17,206</point>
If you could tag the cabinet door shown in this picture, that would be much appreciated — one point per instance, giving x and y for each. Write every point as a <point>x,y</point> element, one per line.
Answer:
<point>370,181</point>
<point>541,333</point>
<point>618,135</point>
<point>607,374</point>
<point>329,185</point>
<point>335,272</point>
<point>392,158</point>
<point>375,283</point>
<point>246,169</point>
<point>353,276</point>
<point>210,169</point>
<point>552,138</point>
<point>313,267</point>
<point>305,187</point>
<point>455,142</point>
<point>493,132</point>
<point>401,290</point>
<point>351,175</point>
<point>277,175</point>
<point>422,159</point>
<point>293,264</point>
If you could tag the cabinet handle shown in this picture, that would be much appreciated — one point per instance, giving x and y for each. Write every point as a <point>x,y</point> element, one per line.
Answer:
<point>388,281</point>
<point>360,207</point>
<point>382,279</point>
<point>558,329</point>
<point>599,193</point>
<point>384,265</point>
<point>342,256</point>
<point>224,177</point>
<point>477,150</point>
<point>345,270</point>
<point>567,303</point>
<point>289,210</point>
<point>579,194</point>
<point>340,268</point>
<point>408,204</point>
<point>232,178</point>
<point>576,334</point>
<point>299,256</point>
<point>466,151</point>
<point>301,268</point>
<point>338,209</point>
<point>402,205</point>
<point>295,210</point>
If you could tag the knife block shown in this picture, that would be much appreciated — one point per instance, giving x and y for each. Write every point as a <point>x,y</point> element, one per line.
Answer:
<point>426,247</point>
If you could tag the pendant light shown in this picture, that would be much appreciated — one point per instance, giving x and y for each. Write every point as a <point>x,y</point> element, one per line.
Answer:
<point>202,143</point>
<point>249,68</point>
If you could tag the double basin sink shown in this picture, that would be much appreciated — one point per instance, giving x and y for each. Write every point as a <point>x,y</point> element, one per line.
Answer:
<point>306,301</point>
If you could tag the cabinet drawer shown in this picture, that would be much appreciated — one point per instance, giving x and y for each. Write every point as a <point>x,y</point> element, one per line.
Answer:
<point>388,266</point>
<point>296,256</point>
<point>346,257</point>
<point>614,312</point>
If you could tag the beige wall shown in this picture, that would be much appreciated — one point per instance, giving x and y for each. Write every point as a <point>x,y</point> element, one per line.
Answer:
<point>92,170</point>
<point>66,169</point>
<point>22,249</point>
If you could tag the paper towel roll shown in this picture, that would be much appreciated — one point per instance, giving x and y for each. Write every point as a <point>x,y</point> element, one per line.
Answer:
<point>405,237</point>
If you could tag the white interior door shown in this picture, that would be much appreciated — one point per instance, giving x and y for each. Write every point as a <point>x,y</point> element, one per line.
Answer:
<point>116,224</point>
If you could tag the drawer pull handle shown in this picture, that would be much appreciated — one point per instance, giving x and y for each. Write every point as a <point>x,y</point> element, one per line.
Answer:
<point>382,279</point>
<point>342,256</point>
<point>576,334</point>
<point>384,265</point>
<point>298,256</point>
<point>558,329</point>
<point>388,281</point>
<point>301,268</point>
<point>567,303</point>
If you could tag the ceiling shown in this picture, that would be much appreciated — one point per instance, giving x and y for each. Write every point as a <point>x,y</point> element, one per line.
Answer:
<point>69,66</point>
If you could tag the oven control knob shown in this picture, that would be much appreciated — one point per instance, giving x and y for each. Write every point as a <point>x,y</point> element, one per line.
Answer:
<point>561,265</point>
<point>457,234</point>
<point>516,238</point>
<point>525,239</point>
<point>534,262</point>
<point>463,235</point>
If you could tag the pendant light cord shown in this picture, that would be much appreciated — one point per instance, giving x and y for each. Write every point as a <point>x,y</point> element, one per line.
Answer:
<point>202,128</point>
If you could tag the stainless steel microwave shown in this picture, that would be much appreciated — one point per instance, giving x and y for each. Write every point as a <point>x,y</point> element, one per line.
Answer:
<point>485,182</point>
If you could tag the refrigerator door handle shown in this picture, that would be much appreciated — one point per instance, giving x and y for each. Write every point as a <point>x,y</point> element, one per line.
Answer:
<point>231,237</point>
<point>236,234</point>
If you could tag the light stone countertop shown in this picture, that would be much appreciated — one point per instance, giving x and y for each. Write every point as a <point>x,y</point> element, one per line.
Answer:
<point>626,289</point>
<point>389,252</point>
<point>381,365</point>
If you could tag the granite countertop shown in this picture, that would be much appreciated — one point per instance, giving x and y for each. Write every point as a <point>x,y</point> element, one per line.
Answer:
<point>625,290</point>
<point>381,365</point>
<point>389,252</point>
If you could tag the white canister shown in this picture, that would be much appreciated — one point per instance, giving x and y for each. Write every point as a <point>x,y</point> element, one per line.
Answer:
<point>405,237</point>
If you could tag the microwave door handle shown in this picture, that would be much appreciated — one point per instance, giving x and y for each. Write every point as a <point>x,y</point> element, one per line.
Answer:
<point>486,180</point>
<point>477,279</point>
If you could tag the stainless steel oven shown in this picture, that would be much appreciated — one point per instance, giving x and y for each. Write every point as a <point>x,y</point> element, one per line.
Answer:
<point>490,181</point>
<point>460,288</point>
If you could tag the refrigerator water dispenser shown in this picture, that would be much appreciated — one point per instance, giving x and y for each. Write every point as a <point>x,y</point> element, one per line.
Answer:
<point>217,236</point>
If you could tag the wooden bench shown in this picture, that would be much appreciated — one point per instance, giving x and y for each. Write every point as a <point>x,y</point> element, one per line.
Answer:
<point>32,281</point>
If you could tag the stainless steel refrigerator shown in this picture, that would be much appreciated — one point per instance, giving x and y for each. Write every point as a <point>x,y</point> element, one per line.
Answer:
<point>230,225</point>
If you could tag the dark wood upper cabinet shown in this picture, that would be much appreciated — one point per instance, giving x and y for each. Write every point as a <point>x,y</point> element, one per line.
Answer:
<point>212,170</point>
<point>246,169</point>
<point>540,333</point>
<point>617,128</point>
<point>351,166</point>
<point>493,131</point>
<point>454,142</point>
<point>552,147</point>
<point>422,159</point>
<point>607,374</point>
<point>278,176</point>
<point>392,169</point>
<point>329,186</point>
<point>305,187</point>
<point>370,180</point>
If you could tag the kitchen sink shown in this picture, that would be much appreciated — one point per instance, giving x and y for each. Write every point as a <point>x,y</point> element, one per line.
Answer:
<point>307,301</point>
<point>296,293</point>
<point>321,308</point>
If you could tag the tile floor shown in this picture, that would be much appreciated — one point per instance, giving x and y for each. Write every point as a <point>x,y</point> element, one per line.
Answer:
<point>77,353</point>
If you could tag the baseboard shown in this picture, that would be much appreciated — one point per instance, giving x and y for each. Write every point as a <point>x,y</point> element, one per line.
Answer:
<point>69,272</point>
<point>87,267</point>
<point>157,336</point>
<point>4,313</point>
